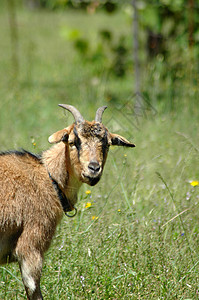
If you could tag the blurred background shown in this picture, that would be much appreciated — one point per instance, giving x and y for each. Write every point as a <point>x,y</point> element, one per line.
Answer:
<point>136,232</point>
<point>138,57</point>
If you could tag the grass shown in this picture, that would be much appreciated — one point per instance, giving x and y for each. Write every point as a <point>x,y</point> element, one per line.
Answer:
<point>139,237</point>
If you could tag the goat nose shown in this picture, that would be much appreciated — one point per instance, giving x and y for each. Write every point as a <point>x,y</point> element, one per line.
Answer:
<point>94,166</point>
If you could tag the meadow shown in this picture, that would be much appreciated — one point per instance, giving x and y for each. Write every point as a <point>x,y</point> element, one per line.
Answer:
<point>136,234</point>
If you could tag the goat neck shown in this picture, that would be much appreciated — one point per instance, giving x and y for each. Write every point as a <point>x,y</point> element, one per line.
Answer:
<point>58,164</point>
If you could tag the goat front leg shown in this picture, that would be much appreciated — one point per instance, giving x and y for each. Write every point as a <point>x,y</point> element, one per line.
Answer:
<point>31,272</point>
<point>30,263</point>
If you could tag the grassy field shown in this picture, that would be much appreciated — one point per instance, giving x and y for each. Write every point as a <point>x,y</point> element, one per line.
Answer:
<point>136,235</point>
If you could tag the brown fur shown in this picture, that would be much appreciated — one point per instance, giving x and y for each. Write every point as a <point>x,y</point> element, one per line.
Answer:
<point>30,207</point>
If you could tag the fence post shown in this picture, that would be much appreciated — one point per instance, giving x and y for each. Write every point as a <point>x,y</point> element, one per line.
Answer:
<point>138,98</point>
<point>13,37</point>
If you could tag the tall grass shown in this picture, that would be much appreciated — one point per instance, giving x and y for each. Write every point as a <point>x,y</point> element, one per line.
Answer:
<point>138,237</point>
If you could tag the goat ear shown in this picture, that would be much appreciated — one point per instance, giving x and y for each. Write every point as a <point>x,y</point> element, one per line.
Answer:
<point>59,136</point>
<point>119,140</point>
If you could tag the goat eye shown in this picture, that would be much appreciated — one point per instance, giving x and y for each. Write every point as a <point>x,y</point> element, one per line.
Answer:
<point>71,143</point>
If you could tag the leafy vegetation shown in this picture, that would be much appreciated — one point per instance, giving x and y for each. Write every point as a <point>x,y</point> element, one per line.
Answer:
<point>136,232</point>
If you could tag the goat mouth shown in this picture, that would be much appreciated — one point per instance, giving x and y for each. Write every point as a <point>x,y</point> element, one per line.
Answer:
<point>91,180</point>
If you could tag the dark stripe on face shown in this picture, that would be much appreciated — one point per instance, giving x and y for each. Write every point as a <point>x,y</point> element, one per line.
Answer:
<point>77,141</point>
<point>104,145</point>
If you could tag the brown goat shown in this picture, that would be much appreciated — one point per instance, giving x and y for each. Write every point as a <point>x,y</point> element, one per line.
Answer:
<point>36,190</point>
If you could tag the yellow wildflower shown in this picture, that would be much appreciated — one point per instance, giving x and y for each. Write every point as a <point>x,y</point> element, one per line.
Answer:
<point>94,218</point>
<point>119,210</point>
<point>125,155</point>
<point>194,183</point>
<point>88,204</point>
<point>88,192</point>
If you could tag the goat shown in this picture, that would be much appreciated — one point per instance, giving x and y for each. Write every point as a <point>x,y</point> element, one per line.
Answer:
<point>35,190</point>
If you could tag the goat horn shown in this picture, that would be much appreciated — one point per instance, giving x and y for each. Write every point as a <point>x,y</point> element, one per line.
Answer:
<point>99,112</point>
<point>76,114</point>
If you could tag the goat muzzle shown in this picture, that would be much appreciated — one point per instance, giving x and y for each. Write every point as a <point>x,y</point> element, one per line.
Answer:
<point>94,167</point>
<point>93,173</point>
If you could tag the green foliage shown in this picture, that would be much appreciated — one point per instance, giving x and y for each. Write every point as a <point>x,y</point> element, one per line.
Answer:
<point>108,6</point>
<point>113,56</point>
<point>171,18</point>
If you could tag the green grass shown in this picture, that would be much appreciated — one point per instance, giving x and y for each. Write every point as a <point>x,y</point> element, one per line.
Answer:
<point>139,238</point>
